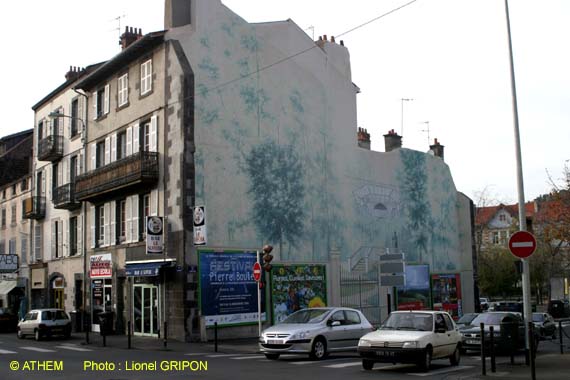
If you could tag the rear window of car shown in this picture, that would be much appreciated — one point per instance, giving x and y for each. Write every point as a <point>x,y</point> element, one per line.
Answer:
<point>352,317</point>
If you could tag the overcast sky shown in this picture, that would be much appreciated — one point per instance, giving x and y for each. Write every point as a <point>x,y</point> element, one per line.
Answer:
<point>450,56</point>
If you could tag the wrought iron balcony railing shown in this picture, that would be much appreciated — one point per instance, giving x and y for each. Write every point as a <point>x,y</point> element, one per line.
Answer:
<point>64,197</point>
<point>35,207</point>
<point>50,148</point>
<point>134,170</point>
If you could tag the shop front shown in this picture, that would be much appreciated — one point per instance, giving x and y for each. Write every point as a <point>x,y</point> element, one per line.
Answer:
<point>101,276</point>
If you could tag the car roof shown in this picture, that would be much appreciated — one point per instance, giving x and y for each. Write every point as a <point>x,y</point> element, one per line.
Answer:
<point>418,312</point>
<point>49,309</point>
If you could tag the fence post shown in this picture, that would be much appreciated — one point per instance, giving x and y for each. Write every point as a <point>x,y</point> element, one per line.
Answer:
<point>483,363</point>
<point>532,350</point>
<point>492,348</point>
<point>560,332</point>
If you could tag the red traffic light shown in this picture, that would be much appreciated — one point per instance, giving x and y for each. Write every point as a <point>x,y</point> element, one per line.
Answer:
<point>267,267</point>
<point>267,249</point>
<point>267,258</point>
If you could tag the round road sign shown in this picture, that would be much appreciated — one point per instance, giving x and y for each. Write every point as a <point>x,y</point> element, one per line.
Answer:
<point>256,271</point>
<point>522,244</point>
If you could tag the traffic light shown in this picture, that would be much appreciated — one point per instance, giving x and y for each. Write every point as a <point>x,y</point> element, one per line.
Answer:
<point>267,257</point>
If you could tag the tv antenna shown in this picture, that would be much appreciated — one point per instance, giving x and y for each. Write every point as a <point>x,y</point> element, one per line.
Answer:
<point>426,130</point>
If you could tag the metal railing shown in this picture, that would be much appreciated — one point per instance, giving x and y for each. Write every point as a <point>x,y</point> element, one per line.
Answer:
<point>35,207</point>
<point>64,197</point>
<point>50,148</point>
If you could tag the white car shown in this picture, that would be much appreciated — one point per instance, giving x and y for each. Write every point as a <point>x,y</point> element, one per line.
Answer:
<point>45,323</point>
<point>315,331</point>
<point>412,337</point>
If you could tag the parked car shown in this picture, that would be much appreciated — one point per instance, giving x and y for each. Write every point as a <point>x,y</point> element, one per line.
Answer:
<point>559,308</point>
<point>508,331</point>
<point>45,323</point>
<point>466,320</point>
<point>412,337</point>
<point>545,325</point>
<point>8,320</point>
<point>316,331</point>
<point>484,302</point>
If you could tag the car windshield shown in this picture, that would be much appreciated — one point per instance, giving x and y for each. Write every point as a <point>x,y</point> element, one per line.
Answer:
<point>466,319</point>
<point>53,314</point>
<point>538,318</point>
<point>408,321</point>
<point>307,316</point>
<point>492,319</point>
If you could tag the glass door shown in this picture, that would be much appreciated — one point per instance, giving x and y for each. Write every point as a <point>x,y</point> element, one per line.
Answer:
<point>145,310</point>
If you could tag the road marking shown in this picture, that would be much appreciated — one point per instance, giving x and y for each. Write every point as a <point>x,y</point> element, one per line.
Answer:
<point>247,357</point>
<point>343,365</point>
<point>222,355</point>
<point>302,363</point>
<point>74,348</point>
<point>197,353</point>
<point>395,366</point>
<point>7,352</point>
<point>443,370</point>
<point>36,349</point>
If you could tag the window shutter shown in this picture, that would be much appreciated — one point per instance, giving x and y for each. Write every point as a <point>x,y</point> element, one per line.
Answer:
<point>107,99</point>
<point>113,231</point>
<point>93,156</point>
<point>106,221</point>
<point>60,123</point>
<point>107,150</point>
<point>79,164</point>
<point>70,122</point>
<point>38,242</point>
<point>129,220</point>
<point>153,133</point>
<point>93,225</point>
<point>80,114</point>
<point>43,184</point>
<point>129,141</point>
<point>53,239</point>
<point>60,238</point>
<point>60,171</point>
<point>136,134</point>
<point>113,147</point>
<point>135,213</point>
<point>80,234</point>
<point>154,202</point>
<point>66,169</point>
<point>95,110</point>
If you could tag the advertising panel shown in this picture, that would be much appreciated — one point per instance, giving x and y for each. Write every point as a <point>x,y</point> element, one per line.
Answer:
<point>101,266</point>
<point>446,292</point>
<point>228,291</point>
<point>415,295</point>
<point>200,231</point>
<point>154,235</point>
<point>295,287</point>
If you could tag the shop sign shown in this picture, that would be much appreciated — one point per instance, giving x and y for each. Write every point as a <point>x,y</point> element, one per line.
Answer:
<point>154,235</point>
<point>101,266</point>
<point>200,232</point>
<point>8,263</point>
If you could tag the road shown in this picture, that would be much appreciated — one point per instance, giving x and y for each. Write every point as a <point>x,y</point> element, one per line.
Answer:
<point>69,359</point>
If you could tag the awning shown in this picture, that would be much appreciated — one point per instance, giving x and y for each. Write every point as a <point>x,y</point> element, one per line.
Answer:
<point>148,269</point>
<point>6,286</point>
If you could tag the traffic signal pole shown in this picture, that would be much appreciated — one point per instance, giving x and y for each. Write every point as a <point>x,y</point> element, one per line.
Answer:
<point>258,301</point>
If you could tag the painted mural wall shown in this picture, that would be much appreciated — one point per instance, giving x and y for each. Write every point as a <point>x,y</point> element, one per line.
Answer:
<point>276,154</point>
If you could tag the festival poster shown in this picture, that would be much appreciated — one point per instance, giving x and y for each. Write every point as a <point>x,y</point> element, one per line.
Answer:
<point>446,293</point>
<point>415,294</point>
<point>296,287</point>
<point>227,289</point>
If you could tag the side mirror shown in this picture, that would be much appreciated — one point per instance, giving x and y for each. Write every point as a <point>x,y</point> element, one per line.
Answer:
<point>332,323</point>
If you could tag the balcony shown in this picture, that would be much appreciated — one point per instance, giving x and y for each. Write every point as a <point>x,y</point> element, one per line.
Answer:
<point>120,176</point>
<point>35,207</point>
<point>50,148</point>
<point>64,197</point>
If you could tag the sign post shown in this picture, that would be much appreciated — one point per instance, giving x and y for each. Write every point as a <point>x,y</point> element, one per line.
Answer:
<point>257,277</point>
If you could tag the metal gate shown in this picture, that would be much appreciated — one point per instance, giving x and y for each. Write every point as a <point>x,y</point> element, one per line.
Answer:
<point>361,290</point>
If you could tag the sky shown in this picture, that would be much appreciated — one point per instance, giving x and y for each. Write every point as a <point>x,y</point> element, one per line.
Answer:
<point>449,56</point>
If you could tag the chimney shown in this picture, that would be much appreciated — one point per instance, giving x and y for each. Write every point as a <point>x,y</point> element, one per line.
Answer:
<point>392,141</point>
<point>437,149</point>
<point>131,35</point>
<point>177,13</point>
<point>363,138</point>
<point>73,73</point>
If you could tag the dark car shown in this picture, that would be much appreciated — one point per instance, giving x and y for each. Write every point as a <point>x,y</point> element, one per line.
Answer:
<point>508,331</point>
<point>559,308</point>
<point>545,325</point>
<point>8,320</point>
<point>466,320</point>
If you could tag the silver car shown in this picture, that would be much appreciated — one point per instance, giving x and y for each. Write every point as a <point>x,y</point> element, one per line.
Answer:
<point>45,323</point>
<point>316,331</point>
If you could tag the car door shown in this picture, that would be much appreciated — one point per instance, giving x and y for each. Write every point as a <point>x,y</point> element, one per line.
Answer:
<point>29,323</point>
<point>354,328</point>
<point>441,338</point>
<point>336,335</point>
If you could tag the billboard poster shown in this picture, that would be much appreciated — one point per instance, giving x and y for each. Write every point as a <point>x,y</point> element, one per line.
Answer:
<point>295,287</point>
<point>200,233</point>
<point>154,235</point>
<point>101,266</point>
<point>228,292</point>
<point>446,293</point>
<point>415,294</point>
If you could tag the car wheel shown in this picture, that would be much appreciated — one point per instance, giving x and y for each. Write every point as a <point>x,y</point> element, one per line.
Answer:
<point>272,356</point>
<point>425,362</point>
<point>319,350</point>
<point>20,334</point>
<point>37,335</point>
<point>455,358</point>
<point>367,364</point>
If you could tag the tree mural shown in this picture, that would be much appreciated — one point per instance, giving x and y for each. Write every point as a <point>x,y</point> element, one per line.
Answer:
<point>277,192</point>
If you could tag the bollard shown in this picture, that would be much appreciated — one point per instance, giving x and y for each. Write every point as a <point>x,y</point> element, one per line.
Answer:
<point>483,362</point>
<point>389,303</point>
<point>532,350</point>
<point>560,332</point>
<point>492,348</point>
<point>165,334</point>
<point>215,336</point>
<point>129,335</point>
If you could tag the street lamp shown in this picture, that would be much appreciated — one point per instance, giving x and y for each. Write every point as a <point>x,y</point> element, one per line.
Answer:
<point>55,115</point>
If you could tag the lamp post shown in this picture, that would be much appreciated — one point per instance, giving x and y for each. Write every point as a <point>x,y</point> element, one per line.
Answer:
<point>56,115</point>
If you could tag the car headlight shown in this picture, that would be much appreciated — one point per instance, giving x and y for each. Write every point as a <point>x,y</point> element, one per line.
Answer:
<point>300,335</point>
<point>364,343</point>
<point>413,344</point>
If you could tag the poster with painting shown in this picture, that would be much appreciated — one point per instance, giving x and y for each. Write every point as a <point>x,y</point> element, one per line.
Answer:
<point>415,295</point>
<point>446,294</point>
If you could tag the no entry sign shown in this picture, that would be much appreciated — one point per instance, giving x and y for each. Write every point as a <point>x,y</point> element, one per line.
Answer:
<point>256,271</point>
<point>522,244</point>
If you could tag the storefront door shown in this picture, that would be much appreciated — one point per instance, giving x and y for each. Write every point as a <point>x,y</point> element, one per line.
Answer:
<point>58,299</point>
<point>146,309</point>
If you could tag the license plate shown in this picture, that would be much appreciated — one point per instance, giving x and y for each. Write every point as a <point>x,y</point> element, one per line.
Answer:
<point>274,341</point>
<point>384,353</point>
<point>473,342</point>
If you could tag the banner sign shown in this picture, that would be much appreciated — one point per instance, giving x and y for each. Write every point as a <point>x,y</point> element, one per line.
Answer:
<point>154,235</point>
<point>228,291</point>
<point>446,293</point>
<point>295,287</point>
<point>101,266</point>
<point>8,263</point>
<point>200,233</point>
<point>415,295</point>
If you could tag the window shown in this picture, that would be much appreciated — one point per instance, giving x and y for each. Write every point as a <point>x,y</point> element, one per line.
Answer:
<point>503,237</point>
<point>502,218</point>
<point>121,145</point>
<point>4,194</point>
<point>13,215</point>
<point>3,218</point>
<point>40,131</point>
<point>14,190</point>
<point>12,246</point>
<point>495,237</point>
<point>123,89</point>
<point>101,102</point>
<point>54,182</point>
<point>352,317</point>
<point>145,211</point>
<point>73,249</point>
<point>23,210</point>
<point>73,125</point>
<point>100,227</point>
<point>2,247</point>
<point>38,241</point>
<point>55,125</point>
<point>24,185</point>
<point>146,136</point>
<point>100,154</point>
<point>56,239</point>
<point>24,250</point>
<point>72,169</point>
<point>122,220</point>
<point>146,77</point>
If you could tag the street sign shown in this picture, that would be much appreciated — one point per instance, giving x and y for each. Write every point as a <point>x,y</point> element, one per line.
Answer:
<point>256,271</point>
<point>522,244</point>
